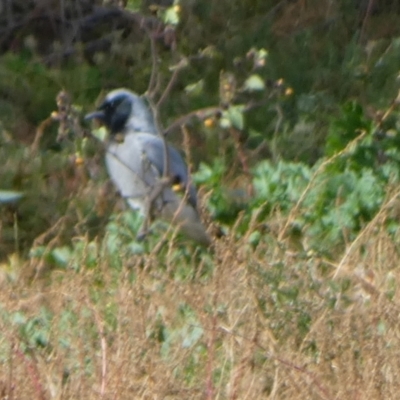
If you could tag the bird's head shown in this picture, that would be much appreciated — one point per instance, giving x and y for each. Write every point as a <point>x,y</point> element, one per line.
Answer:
<point>122,111</point>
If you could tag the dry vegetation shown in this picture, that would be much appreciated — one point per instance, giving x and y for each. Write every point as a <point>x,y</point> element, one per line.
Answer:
<point>236,323</point>
<point>90,314</point>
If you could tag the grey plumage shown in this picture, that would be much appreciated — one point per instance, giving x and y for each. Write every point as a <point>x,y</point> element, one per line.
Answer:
<point>135,163</point>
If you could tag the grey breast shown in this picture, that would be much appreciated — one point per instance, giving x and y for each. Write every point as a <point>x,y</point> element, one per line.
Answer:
<point>130,169</point>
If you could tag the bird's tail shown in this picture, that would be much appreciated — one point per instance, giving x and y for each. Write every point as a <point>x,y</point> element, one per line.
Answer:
<point>186,218</point>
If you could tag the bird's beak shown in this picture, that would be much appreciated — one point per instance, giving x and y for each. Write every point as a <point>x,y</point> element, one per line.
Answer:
<point>95,115</point>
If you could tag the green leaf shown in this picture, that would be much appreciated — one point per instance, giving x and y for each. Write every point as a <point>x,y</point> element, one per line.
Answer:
<point>192,336</point>
<point>8,196</point>
<point>61,255</point>
<point>254,83</point>
<point>254,238</point>
<point>195,89</point>
<point>225,123</point>
<point>100,133</point>
<point>236,117</point>
<point>172,16</point>
<point>262,54</point>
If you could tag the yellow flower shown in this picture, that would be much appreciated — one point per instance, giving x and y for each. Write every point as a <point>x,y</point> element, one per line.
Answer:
<point>79,160</point>
<point>209,122</point>
<point>289,91</point>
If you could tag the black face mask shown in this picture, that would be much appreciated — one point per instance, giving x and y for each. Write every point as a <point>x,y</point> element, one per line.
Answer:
<point>113,114</point>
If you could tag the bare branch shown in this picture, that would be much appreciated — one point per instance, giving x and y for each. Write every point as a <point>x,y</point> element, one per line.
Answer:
<point>201,114</point>
<point>178,68</point>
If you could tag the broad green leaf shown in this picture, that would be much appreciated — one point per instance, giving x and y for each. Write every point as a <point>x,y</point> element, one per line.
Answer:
<point>262,53</point>
<point>236,117</point>
<point>225,123</point>
<point>254,238</point>
<point>8,196</point>
<point>254,83</point>
<point>172,15</point>
<point>61,255</point>
<point>100,133</point>
<point>195,89</point>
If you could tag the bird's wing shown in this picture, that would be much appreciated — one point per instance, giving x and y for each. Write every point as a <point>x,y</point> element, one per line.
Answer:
<point>154,149</point>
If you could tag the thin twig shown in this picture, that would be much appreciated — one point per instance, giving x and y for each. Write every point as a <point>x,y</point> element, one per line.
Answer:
<point>201,114</point>
<point>279,120</point>
<point>39,133</point>
<point>395,102</point>
<point>103,345</point>
<point>153,77</point>
<point>183,63</point>
<point>211,355</point>
<point>10,372</point>
<point>207,112</point>
<point>365,19</point>
<point>242,157</point>
<point>188,158</point>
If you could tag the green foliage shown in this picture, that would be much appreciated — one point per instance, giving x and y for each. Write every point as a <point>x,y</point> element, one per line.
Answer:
<point>336,197</point>
<point>34,333</point>
<point>223,204</point>
<point>336,206</point>
<point>340,204</point>
<point>233,117</point>
<point>346,127</point>
<point>281,184</point>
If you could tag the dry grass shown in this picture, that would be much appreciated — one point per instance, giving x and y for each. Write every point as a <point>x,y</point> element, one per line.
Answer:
<point>241,323</point>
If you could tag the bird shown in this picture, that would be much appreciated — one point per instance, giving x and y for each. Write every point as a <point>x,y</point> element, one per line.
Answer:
<point>135,161</point>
